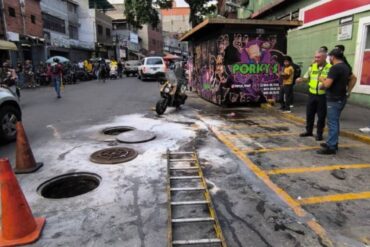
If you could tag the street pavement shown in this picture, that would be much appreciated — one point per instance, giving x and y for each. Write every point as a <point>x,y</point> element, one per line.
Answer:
<point>268,185</point>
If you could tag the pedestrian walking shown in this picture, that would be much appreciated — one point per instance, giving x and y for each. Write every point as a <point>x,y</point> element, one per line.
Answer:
<point>286,91</point>
<point>337,84</point>
<point>29,74</point>
<point>316,104</point>
<point>20,75</point>
<point>56,75</point>
<point>119,68</point>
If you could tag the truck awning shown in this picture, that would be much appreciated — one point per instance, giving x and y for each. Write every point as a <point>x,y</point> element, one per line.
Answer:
<point>217,23</point>
<point>7,45</point>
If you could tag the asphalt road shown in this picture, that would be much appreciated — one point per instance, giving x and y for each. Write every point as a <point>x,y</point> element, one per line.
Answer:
<point>269,187</point>
<point>81,104</point>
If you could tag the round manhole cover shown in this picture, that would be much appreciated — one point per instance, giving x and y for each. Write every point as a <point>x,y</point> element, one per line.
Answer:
<point>69,185</point>
<point>135,136</point>
<point>113,155</point>
<point>113,131</point>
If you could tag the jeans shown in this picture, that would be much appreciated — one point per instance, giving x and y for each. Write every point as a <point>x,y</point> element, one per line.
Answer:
<point>286,95</point>
<point>56,81</point>
<point>334,110</point>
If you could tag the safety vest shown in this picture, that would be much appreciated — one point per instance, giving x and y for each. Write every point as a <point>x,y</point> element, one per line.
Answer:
<point>314,78</point>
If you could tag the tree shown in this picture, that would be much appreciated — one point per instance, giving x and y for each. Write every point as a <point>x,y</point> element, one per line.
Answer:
<point>199,9</point>
<point>139,12</point>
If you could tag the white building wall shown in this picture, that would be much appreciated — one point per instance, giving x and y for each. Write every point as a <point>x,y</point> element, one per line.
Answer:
<point>87,30</point>
<point>143,34</point>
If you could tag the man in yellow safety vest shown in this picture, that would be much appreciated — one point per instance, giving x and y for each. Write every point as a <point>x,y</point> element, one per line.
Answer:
<point>317,100</point>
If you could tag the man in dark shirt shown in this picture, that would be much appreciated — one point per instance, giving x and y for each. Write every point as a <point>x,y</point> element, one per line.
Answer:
<point>336,85</point>
<point>56,76</point>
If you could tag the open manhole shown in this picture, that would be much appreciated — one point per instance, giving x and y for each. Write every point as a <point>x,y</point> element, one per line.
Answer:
<point>113,131</point>
<point>113,155</point>
<point>69,185</point>
<point>136,136</point>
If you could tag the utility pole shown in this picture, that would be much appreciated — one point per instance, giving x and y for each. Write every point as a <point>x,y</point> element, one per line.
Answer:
<point>3,18</point>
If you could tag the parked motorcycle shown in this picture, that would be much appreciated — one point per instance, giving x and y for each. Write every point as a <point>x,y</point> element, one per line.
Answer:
<point>168,100</point>
<point>9,82</point>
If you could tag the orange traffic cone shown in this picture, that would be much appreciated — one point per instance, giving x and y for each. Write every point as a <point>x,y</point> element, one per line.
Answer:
<point>25,161</point>
<point>18,226</point>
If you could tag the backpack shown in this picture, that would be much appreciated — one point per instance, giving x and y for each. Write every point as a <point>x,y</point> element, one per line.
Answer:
<point>297,72</point>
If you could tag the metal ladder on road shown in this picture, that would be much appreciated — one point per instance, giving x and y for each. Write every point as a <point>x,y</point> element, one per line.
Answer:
<point>184,167</point>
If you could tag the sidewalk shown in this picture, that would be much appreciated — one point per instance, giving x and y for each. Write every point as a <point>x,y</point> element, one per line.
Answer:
<point>353,117</point>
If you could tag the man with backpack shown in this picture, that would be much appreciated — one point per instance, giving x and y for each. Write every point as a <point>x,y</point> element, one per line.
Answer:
<point>56,75</point>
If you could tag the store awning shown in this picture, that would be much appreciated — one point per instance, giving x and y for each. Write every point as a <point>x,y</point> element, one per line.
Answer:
<point>214,24</point>
<point>7,45</point>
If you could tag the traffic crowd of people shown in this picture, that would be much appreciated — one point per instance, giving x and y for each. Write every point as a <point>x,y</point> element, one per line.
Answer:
<point>330,82</point>
<point>27,75</point>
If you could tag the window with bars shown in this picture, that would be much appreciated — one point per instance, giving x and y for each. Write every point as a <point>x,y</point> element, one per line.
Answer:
<point>33,19</point>
<point>53,23</point>
<point>73,31</point>
<point>11,11</point>
<point>100,29</point>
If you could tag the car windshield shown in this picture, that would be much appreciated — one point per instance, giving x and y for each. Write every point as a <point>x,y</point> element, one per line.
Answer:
<point>132,63</point>
<point>154,61</point>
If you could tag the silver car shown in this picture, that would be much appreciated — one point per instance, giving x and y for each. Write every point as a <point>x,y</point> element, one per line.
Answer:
<point>10,113</point>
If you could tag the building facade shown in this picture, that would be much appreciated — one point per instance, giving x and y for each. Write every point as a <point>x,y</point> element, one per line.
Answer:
<point>326,23</point>
<point>176,19</point>
<point>125,37</point>
<point>23,25</point>
<point>152,39</point>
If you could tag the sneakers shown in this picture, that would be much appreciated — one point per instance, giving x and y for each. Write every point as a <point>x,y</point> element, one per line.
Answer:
<point>324,145</point>
<point>365,130</point>
<point>319,138</point>
<point>287,111</point>
<point>326,151</point>
<point>305,134</point>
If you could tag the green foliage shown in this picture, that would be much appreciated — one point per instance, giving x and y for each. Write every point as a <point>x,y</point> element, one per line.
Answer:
<point>139,12</point>
<point>199,9</point>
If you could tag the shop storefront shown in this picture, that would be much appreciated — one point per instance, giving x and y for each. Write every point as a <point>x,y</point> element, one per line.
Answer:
<point>331,23</point>
<point>236,62</point>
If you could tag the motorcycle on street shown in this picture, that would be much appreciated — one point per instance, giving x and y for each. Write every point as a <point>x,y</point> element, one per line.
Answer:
<point>168,99</point>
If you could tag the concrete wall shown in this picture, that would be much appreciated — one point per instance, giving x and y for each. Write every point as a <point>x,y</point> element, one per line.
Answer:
<point>87,30</point>
<point>106,22</point>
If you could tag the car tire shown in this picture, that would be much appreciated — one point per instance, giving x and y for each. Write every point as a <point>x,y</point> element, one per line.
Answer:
<point>9,115</point>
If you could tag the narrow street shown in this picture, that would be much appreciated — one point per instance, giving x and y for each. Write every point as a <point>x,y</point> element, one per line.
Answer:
<point>268,186</point>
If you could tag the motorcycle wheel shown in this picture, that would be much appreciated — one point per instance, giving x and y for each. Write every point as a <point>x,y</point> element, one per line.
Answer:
<point>161,106</point>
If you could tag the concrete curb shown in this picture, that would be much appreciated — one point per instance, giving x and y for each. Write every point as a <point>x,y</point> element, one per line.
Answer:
<point>297,119</point>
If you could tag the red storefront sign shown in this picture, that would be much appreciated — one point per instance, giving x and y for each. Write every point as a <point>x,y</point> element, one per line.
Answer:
<point>330,8</point>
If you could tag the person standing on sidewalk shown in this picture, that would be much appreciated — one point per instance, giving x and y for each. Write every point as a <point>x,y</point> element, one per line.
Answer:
<point>56,76</point>
<point>316,100</point>
<point>336,84</point>
<point>286,91</point>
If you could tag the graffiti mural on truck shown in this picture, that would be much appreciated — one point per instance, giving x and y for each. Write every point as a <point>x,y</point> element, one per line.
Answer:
<point>237,68</point>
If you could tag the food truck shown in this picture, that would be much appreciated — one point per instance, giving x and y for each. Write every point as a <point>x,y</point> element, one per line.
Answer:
<point>237,62</point>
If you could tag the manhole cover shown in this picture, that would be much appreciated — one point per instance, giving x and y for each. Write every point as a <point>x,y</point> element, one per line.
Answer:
<point>69,185</point>
<point>113,131</point>
<point>136,136</point>
<point>113,155</point>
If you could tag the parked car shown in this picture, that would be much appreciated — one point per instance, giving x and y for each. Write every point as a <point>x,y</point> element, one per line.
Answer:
<point>152,67</point>
<point>131,67</point>
<point>10,113</point>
